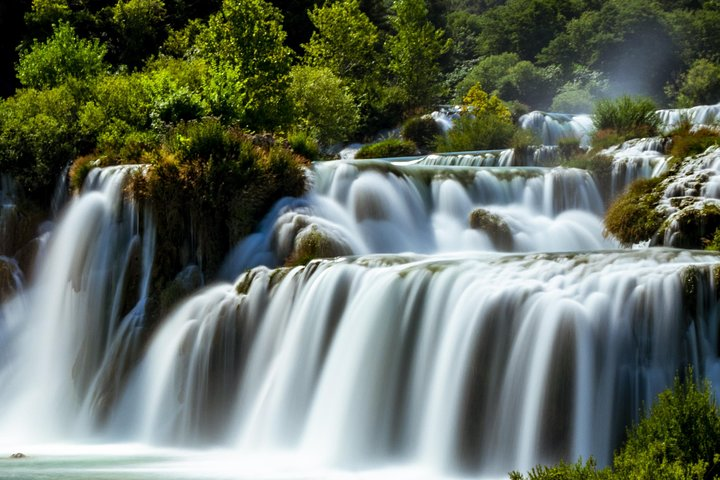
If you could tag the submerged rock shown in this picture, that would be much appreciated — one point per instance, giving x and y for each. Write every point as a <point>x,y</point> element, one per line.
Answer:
<point>494,227</point>
<point>312,243</point>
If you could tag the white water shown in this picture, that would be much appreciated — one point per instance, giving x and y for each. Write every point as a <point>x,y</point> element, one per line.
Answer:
<point>62,329</point>
<point>374,207</point>
<point>429,355</point>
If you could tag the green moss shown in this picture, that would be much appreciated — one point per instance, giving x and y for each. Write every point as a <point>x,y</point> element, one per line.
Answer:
<point>695,227</point>
<point>687,142</point>
<point>390,148</point>
<point>494,226</point>
<point>79,170</point>
<point>632,217</point>
<point>312,244</point>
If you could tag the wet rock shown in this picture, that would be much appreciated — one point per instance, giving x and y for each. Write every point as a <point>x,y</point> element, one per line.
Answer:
<point>494,227</point>
<point>312,243</point>
<point>18,455</point>
<point>10,278</point>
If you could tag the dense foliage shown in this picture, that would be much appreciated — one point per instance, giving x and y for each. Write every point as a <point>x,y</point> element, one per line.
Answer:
<point>679,438</point>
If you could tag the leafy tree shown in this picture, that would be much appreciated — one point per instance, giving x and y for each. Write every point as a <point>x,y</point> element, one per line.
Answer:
<point>347,42</point>
<point>700,85</point>
<point>629,40</point>
<point>581,93</point>
<point>344,40</point>
<point>478,103</point>
<point>524,26</point>
<point>61,57</point>
<point>697,31</point>
<point>249,63</point>
<point>415,51</point>
<point>140,28</point>
<point>324,107</point>
<point>512,79</point>
<point>38,137</point>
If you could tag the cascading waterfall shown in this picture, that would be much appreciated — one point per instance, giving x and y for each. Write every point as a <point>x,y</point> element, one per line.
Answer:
<point>471,319</point>
<point>378,207</point>
<point>551,128</point>
<point>91,285</point>
<point>634,159</point>
<point>472,362</point>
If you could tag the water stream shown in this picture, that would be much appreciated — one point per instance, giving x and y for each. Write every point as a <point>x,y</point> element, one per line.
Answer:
<point>429,347</point>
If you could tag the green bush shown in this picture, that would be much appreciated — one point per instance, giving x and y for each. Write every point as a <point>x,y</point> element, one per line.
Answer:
<point>688,141</point>
<point>679,438</point>
<point>39,136</point>
<point>304,145</point>
<point>485,132</point>
<point>632,217</point>
<point>423,131</point>
<point>392,147</point>
<point>323,106</point>
<point>61,57</point>
<point>627,116</point>
<point>214,181</point>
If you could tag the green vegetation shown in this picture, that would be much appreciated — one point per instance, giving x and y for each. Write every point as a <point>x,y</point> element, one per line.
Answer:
<point>217,183</point>
<point>392,147</point>
<point>422,131</point>
<point>633,217</point>
<point>679,438</point>
<point>625,118</point>
<point>688,141</point>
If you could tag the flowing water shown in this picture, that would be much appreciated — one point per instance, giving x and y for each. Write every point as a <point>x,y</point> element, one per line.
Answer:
<point>431,346</point>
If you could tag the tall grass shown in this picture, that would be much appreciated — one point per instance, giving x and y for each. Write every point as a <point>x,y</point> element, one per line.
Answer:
<point>628,117</point>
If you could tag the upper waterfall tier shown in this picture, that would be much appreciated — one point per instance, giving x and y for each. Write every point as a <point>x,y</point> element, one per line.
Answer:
<point>377,207</point>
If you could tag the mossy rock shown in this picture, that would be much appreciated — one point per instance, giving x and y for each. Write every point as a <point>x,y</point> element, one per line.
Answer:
<point>494,226</point>
<point>312,243</point>
<point>693,227</point>
<point>633,216</point>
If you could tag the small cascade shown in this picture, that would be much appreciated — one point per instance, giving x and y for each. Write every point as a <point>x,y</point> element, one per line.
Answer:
<point>92,284</point>
<point>551,128</point>
<point>446,117</point>
<point>487,158</point>
<point>634,159</point>
<point>699,115</point>
<point>473,363</point>
<point>379,207</point>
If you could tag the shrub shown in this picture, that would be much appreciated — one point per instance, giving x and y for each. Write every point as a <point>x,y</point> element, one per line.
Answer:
<point>627,116</point>
<point>324,107</point>
<point>479,103</point>
<point>38,137</point>
<point>632,217</point>
<point>565,471</point>
<point>212,180</point>
<point>688,141</point>
<point>679,438</point>
<point>423,131</point>
<point>483,132</point>
<point>79,170</point>
<point>680,434</point>
<point>304,145</point>
<point>62,56</point>
<point>392,147</point>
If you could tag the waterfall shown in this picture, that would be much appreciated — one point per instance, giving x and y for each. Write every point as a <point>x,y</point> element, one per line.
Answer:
<point>551,128</point>
<point>466,317</point>
<point>379,207</point>
<point>92,284</point>
<point>698,115</point>
<point>463,362</point>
